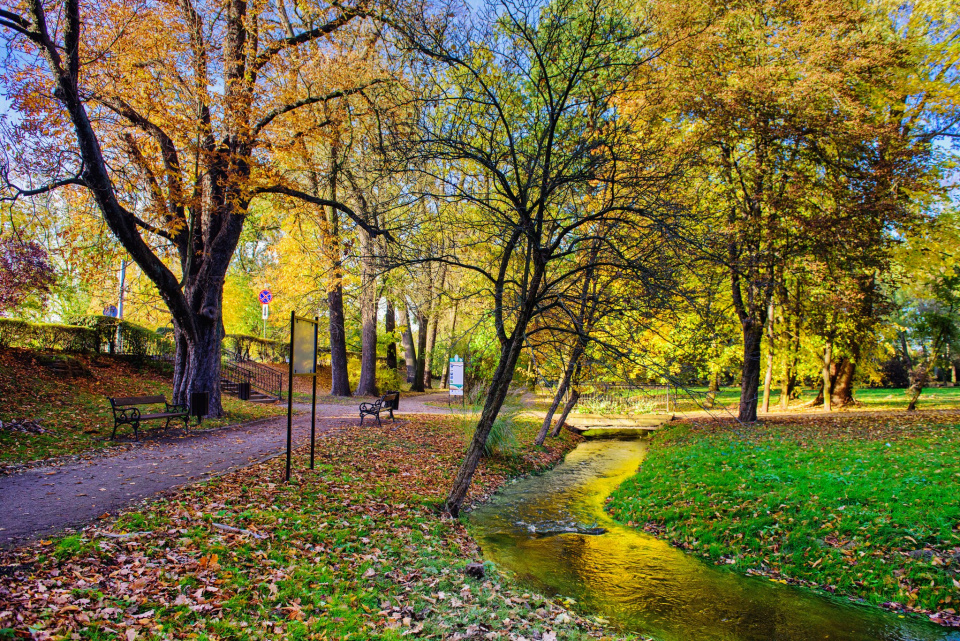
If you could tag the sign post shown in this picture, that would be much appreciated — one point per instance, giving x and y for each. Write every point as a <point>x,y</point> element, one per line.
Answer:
<point>303,361</point>
<point>265,297</point>
<point>456,376</point>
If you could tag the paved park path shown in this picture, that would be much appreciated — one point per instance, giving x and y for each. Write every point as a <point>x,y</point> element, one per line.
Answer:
<point>42,501</point>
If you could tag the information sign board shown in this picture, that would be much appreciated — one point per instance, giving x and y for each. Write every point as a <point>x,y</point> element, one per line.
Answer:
<point>456,376</point>
<point>304,346</point>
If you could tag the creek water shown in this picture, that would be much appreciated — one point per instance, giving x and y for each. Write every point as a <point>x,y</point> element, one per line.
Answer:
<point>547,531</point>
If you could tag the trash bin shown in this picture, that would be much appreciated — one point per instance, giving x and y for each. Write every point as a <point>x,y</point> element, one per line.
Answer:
<point>200,405</point>
<point>243,391</point>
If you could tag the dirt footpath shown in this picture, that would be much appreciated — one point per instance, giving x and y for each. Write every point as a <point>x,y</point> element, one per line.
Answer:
<point>42,501</point>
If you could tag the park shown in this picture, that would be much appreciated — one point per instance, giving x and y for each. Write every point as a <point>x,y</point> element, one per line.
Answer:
<point>530,320</point>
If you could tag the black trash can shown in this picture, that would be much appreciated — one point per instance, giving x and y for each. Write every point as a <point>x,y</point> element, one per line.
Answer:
<point>199,405</point>
<point>243,391</point>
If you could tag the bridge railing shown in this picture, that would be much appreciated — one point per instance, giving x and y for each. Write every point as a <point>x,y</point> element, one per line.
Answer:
<point>623,398</point>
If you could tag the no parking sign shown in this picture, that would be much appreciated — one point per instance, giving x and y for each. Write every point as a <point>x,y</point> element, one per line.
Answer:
<point>265,296</point>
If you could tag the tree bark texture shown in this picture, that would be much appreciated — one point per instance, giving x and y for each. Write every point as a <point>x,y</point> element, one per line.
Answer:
<point>750,374</point>
<point>409,349</point>
<point>389,326</point>
<point>367,385</point>
<point>339,373</point>
<point>842,393</point>
<point>421,355</point>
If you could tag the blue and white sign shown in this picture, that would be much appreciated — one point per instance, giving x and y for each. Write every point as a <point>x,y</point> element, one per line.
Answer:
<point>111,311</point>
<point>456,376</point>
<point>265,296</point>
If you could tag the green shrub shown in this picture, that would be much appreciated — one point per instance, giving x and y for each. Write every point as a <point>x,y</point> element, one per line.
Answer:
<point>123,337</point>
<point>68,338</point>
<point>256,348</point>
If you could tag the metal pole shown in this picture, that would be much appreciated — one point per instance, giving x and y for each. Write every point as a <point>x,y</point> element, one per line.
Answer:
<point>123,278</point>
<point>290,399</point>
<point>118,340</point>
<point>313,411</point>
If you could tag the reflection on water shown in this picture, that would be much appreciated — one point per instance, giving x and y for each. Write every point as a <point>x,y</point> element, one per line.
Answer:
<point>552,532</point>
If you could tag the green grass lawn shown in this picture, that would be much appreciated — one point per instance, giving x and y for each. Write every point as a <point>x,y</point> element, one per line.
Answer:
<point>864,506</point>
<point>74,413</point>
<point>933,398</point>
<point>352,550</point>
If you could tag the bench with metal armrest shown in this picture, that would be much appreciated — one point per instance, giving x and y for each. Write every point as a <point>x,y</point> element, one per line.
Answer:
<point>126,411</point>
<point>387,403</point>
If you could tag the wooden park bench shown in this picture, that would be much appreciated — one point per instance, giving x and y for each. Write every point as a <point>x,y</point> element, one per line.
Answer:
<point>126,412</point>
<point>387,403</point>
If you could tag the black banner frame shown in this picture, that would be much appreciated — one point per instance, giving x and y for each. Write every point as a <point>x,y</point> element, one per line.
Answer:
<point>313,411</point>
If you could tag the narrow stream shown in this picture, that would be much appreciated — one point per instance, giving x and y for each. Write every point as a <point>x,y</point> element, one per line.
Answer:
<point>545,530</point>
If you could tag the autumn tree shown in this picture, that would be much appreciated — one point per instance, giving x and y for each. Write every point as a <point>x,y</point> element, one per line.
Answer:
<point>166,116</point>
<point>773,97</point>
<point>25,270</point>
<point>524,104</point>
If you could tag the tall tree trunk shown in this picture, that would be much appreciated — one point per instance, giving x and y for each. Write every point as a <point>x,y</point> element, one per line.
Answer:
<point>768,377</point>
<point>843,385</point>
<point>751,311</point>
<point>575,355</point>
<point>339,375</point>
<point>367,385</point>
<point>198,367</point>
<point>428,351</point>
<point>434,321</point>
<point>827,391</point>
<point>496,394</point>
<point>413,353</point>
<point>390,325</point>
<point>510,348</point>
<point>750,376</point>
<point>409,350</point>
<point>421,355</point>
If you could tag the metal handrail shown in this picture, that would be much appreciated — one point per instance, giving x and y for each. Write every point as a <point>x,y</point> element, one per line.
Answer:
<point>658,396</point>
<point>262,378</point>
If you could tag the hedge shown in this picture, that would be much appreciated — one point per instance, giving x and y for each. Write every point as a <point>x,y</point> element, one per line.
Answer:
<point>68,338</point>
<point>134,340</point>
<point>256,348</point>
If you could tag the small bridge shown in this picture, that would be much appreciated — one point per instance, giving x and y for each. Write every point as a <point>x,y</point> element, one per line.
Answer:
<point>621,409</point>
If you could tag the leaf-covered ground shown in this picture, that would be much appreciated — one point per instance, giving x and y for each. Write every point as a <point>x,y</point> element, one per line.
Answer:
<point>857,505</point>
<point>352,550</point>
<point>73,414</point>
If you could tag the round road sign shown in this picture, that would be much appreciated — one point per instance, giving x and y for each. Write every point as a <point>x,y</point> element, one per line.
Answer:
<point>265,296</point>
